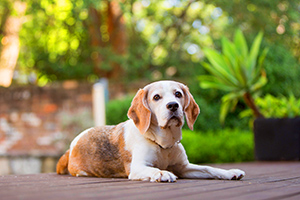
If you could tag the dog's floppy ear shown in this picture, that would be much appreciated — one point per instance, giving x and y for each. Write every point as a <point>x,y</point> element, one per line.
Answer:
<point>139,111</point>
<point>191,108</point>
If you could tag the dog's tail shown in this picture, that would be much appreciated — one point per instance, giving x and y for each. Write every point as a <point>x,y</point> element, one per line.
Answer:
<point>62,165</point>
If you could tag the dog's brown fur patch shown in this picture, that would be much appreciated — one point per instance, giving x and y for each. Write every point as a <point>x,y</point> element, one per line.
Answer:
<point>101,152</point>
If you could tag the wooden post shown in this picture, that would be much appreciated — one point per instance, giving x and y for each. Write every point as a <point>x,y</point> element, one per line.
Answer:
<point>99,102</point>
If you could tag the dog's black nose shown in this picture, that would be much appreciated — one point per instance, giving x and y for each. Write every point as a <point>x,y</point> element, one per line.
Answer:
<point>172,106</point>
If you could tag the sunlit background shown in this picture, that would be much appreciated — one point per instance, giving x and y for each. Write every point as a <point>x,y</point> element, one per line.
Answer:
<point>53,51</point>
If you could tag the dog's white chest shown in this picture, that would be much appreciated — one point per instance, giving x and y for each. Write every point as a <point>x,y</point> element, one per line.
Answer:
<point>164,159</point>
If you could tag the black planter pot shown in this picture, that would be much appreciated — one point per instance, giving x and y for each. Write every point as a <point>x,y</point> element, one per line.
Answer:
<point>277,139</point>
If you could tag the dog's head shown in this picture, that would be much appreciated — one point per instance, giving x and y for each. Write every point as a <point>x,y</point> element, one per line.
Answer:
<point>163,103</point>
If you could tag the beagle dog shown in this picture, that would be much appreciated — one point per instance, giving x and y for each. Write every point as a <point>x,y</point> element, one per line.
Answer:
<point>147,146</point>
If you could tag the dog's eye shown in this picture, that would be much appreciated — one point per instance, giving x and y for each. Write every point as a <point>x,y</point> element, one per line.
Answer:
<point>156,97</point>
<point>178,94</point>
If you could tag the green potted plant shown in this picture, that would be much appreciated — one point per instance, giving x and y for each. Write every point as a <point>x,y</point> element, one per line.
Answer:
<point>277,136</point>
<point>239,71</point>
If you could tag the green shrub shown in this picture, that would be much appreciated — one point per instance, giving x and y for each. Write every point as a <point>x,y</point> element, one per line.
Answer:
<point>220,146</point>
<point>276,107</point>
<point>116,110</point>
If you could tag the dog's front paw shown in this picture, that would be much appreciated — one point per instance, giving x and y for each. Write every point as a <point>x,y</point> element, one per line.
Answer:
<point>163,176</point>
<point>235,174</point>
<point>153,175</point>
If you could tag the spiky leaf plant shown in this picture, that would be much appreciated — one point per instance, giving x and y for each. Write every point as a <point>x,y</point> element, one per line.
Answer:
<point>238,70</point>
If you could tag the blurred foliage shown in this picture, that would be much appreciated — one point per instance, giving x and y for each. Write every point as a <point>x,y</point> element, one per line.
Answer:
<point>229,145</point>
<point>276,107</point>
<point>165,40</point>
<point>283,72</point>
<point>162,36</point>
<point>278,19</point>
<point>54,41</point>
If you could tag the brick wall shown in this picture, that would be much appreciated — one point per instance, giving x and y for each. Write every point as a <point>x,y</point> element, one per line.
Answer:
<point>37,124</point>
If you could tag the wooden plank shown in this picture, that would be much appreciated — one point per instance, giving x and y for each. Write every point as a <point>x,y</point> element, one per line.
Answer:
<point>265,181</point>
<point>273,180</point>
<point>254,190</point>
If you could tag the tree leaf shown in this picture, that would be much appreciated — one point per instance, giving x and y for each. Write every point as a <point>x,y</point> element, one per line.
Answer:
<point>218,63</point>
<point>241,44</point>
<point>261,82</point>
<point>261,60</point>
<point>254,52</point>
<point>228,49</point>
<point>212,70</point>
<point>224,111</point>
<point>233,95</point>
<point>207,81</point>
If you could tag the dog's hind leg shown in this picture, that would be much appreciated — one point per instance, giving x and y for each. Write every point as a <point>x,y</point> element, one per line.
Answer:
<point>62,165</point>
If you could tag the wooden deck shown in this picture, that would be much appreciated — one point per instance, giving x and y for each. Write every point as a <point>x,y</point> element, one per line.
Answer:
<point>264,180</point>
